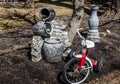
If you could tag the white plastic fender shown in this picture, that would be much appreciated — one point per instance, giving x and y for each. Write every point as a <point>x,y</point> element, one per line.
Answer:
<point>80,56</point>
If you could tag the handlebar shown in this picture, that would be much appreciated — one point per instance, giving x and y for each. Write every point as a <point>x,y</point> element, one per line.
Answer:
<point>95,37</point>
<point>80,34</point>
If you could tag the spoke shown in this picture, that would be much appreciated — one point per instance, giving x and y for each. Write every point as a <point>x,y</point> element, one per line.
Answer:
<point>76,79</point>
<point>70,78</point>
<point>71,66</point>
<point>70,70</point>
<point>70,74</point>
<point>84,67</point>
<point>83,75</point>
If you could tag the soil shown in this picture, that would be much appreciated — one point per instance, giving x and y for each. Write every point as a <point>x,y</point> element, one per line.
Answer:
<point>17,68</point>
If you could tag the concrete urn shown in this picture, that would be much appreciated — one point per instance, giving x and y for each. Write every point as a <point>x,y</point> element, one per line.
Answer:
<point>53,49</point>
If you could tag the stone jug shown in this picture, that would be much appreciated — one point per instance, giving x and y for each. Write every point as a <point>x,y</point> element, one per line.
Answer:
<point>47,14</point>
<point>53,49</point>
<point>42,29</point>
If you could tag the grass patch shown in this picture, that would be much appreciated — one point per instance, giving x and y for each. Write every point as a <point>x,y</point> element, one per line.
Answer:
<point>15,17</point>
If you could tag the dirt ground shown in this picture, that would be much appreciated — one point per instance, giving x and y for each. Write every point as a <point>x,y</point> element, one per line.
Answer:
<point>17,68</point>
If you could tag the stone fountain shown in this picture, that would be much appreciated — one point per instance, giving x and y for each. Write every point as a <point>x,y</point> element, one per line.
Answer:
<point>50,39</point>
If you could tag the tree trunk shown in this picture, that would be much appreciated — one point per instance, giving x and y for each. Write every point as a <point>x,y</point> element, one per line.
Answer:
<point>118,7</point>
<point>76,19</point>
<point>54,0</point>
<point>115,7</point>
<point>29,3</point>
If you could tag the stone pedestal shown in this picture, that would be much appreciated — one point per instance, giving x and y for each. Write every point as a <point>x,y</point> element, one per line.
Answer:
<point>93,24</point>
<point>36,46</point>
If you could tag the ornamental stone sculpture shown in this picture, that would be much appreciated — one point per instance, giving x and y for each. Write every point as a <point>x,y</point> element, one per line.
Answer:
<point>93,24</point>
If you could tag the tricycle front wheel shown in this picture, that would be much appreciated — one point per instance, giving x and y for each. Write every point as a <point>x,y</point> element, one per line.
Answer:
<point>73,75</point>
